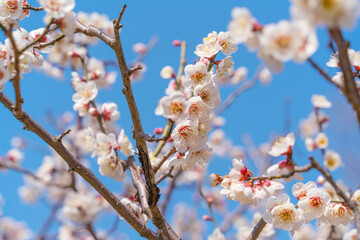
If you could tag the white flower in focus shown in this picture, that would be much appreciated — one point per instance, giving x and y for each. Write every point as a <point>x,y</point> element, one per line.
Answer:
<point>172,107</point>
<point>57,8</point>
<point>224,68</point>
<point>216,179</point>
<point>110,166</point>
<point>85,92</point>
<point>196,75</point>
<point>167,72</point>
<point>322,140</point>
<point>125,145</point>
<point>228,46</point>
<point>194,159</point>
<point>314,204</point>
<point>282,214</point>
<point>320,101</point>
<point>197,109</point>
<point>337,213</point>
<point>332,160</point>
<point>109,112</point>
<point>216,235</point>
<point>241,25</point>
<point>186,137</point>
<point>10,8</point>
<point>283,145</point>
<point>300,190</point>
<point>136,209</point>
<point>210,46</point>
<point>209,93</point>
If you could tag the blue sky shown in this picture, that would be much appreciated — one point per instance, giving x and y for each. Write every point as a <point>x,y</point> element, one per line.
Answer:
<point>259,112</point>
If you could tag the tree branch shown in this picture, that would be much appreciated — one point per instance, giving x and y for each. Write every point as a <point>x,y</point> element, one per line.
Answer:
<point>77,166</point>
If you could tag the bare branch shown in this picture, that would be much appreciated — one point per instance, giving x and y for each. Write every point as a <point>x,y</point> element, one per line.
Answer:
<point>61,136</point>
<point>165,157</point>
<point>351,90</point>
<point>323,73</point>
<point>257,229</point>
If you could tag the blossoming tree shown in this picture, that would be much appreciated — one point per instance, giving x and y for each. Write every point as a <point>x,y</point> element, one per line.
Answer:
<point>149,167</point>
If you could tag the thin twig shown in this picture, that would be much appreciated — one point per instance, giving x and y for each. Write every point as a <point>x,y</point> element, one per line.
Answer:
<point>257,229</point>
<point>240,90</point>
<point>165,157</point>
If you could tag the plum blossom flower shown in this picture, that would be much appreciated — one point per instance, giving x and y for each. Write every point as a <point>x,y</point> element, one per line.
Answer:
<point>210,46</point>
<point>282,168</point>
<point>224,68</point>
<point>109,112</point>
<point>216,179</point>
<point>198,158</point>
<point>356,197</point>
<point>314,204</point>
<point>186,136</point>
<point>322,140</point>
<point>136,209</point>
<point>167,72</point>
<point>337,213</point>
<point>14,230</point>
<point>283,145</point>
<point>110,166</point>
<point>241,25</point>
<point>282,214</point>
<point>57,8</point>
<point>105,145</point>
<point>172,107</point>
<point>228,46</point>
<point>332,160</point>
<point>85,92</point>
<point>197,109</point>
<point>11,8</point>
<point>196,75</point>
<point>209,93</point>
<point>125,145</point>
<point>79,207</point>
<point>280,40</point>
<point>320,101</point>
<point>300,190</point>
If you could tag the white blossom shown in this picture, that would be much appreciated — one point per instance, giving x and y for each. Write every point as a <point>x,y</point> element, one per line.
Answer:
<point>196,75</point>
<point>332,160</point>
<point>314,204</point>
<point>320,101</point>
<point>10,8</point>
<point>283,145</point>
<point>125,145</point>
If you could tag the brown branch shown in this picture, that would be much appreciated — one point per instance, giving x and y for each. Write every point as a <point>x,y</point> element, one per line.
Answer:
<point>181,65</point>
<point>209,204</point>
<point>169,192</point>
<point>166,135</point>
<point>296,169</point>
<point>350,89</point>
<point>168,173</point>
<point>153,190</point>
<point>165,157</point>
<point>139,185</point>
<point>39,38</point>
<point>52,42</point>
<point>78,167</point>
<point>323,73</point>
<point>36,9</point>
<point>90,229</point>
<point>257,229</point>
<point>16,80</point>
<point>61,136</point>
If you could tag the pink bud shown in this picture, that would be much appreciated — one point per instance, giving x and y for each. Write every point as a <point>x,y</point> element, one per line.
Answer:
<point>206,218</point>
<point>210,199</point>
<point>158,130</point>
<point>170,139</point>
<point>176,43</point>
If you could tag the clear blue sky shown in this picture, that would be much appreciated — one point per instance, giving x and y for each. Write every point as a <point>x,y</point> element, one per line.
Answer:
<point>258,112</point>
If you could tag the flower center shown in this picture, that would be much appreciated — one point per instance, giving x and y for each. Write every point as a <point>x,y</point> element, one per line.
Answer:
<point>12,5</point>
<point>176,108</point>
<point>283,41</point>
<point>316,201</point>
<point>198,76</point>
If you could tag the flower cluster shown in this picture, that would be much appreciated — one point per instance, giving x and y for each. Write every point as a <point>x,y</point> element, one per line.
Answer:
<point>238,185</point>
